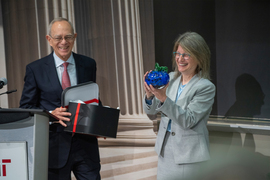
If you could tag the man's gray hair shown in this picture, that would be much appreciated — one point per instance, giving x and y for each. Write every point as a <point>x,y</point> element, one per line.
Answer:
<point>57,20</point>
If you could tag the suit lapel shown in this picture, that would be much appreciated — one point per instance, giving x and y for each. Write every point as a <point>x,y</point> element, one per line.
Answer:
<point>171,93</point>
<point>52,74</point>
<point>79,68</point>
<point>190,84</point>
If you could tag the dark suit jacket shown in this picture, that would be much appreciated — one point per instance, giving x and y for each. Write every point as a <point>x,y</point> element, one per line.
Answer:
<point>42,90</point>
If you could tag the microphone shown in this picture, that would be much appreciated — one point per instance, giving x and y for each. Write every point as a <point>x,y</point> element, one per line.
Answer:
<point>3,81</point>
<point>8,92</point>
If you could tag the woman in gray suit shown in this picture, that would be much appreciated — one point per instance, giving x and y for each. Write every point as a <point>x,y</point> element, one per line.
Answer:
<point>185,103</point>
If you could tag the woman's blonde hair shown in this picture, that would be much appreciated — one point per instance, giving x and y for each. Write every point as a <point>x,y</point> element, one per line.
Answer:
<point>194,44</point>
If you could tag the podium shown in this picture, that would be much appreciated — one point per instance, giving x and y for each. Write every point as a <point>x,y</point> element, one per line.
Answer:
<point>24,140</point>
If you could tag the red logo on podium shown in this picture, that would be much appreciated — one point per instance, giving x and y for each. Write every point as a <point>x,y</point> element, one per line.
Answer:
<point>4,169</point>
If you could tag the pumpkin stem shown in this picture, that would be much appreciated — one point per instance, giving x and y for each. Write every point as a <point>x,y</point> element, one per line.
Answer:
<point>161,68</point>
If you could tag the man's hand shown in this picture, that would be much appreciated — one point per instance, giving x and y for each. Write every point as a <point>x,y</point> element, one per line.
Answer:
<point>61,113</point>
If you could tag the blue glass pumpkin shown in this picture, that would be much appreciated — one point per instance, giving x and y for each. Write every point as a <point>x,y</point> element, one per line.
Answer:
<point>158,77</point>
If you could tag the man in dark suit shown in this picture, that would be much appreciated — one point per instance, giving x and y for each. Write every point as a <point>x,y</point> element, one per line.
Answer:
<point>45,80</point>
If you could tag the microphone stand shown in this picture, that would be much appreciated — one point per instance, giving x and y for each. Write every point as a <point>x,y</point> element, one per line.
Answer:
<point>8,92</point>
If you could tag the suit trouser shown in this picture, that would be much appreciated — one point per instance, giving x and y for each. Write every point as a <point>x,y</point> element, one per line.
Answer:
<point>78,164</point>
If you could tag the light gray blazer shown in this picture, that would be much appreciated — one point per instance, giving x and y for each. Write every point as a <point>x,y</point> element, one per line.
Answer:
<point>189,117</point>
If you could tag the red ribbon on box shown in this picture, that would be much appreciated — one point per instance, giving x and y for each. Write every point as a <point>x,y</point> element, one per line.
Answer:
<point>76,117</point>
<point>88,102</point>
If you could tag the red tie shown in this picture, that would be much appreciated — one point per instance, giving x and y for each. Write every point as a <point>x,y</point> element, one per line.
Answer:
<point>65,77</point>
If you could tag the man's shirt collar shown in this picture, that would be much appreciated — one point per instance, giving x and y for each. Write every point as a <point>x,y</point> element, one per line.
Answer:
<point>59,62</point>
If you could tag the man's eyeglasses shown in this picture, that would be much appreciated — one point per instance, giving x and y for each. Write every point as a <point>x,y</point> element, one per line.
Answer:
<point>60,39</point>
<point>184,55</point>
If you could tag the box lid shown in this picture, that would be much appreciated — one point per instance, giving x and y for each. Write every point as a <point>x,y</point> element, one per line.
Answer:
<point>86,92</point>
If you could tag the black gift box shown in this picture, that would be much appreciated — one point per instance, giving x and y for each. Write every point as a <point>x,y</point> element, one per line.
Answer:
<point>89,118</point>
<point>92,119</point>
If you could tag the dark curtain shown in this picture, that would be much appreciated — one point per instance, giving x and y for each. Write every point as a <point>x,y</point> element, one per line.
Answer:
<point>237,33</point>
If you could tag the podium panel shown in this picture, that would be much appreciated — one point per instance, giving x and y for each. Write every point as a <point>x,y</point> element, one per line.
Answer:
<point>13,156</point>
<point>33,131</point>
